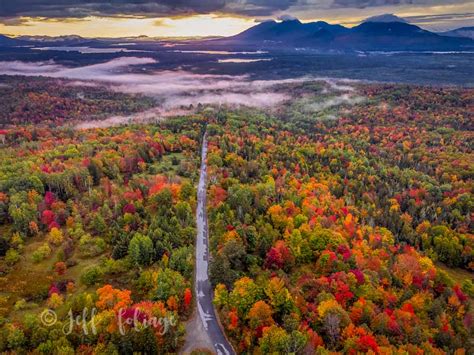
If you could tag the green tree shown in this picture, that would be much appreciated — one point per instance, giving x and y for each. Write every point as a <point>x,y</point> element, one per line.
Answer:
<point>169,283</point>
<point>181,260</point>
<point>22,212</point>
<point>141,249</point>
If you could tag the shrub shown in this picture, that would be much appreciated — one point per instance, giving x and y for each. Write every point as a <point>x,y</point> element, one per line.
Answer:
<point>92,276</point>
<point>90,246</point>
<point>12,257</point>
<point>55,301</point>
<point>41,253</point>
<point>20,304</point>
<point>55,237</point>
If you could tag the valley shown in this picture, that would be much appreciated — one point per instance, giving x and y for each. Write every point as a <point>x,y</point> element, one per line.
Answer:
<point>236,177</point>
<point>334,219</point>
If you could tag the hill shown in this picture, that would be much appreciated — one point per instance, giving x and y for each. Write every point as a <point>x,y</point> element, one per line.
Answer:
<point>467,32</point>
<point>7,41</point>
<point>386,32</point>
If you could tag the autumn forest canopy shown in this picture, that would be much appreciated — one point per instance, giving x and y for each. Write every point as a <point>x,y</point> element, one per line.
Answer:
<point>339,219</point>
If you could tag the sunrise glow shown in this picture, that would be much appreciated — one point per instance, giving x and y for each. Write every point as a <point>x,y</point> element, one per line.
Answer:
<point>191,26</point>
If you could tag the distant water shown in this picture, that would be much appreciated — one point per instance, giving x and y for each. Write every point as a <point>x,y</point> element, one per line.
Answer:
<point>86,50</point>
<point>243,60</point>
<point>217,52</point>
<point>418,52</point>
<point>431,68</point>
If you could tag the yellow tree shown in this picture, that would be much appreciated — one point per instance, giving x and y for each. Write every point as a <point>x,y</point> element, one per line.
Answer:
<point>260,315</point>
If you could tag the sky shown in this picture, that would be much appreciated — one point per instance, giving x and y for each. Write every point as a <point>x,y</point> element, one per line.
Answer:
<point>188,18</point>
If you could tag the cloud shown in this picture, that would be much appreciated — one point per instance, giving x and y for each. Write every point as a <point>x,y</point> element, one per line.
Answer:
<point>28,68</point>
<point>170,88</point>
<point>152,115</point>
<point>21,12</point>
<point>385,18</point>
<point>286,17</point>
<point>344,99</point>
<point>421,19</point>
<point>90,72</point>
<point>14,21</point>
<point>362,4</point>
<point>258,7</point>
<point>176,92</point>
<point>138,8</point>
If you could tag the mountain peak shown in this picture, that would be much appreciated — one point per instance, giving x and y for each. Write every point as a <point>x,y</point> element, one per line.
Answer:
<point>385,18</point>
<point>467,32</point>
<point>288,18</point>
<point>6,40</point>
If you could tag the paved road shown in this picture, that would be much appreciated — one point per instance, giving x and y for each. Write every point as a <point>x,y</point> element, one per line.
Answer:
<point>203,287</point>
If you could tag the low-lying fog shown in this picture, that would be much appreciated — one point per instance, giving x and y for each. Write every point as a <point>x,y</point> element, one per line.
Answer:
<point>171,88</point>
<point>87,50</point>
<point>174,89</point>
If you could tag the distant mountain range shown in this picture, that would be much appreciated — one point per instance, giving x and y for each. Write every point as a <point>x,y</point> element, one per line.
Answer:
<point>379,33</point>
<point>385,18</point>
<point>45,41</point>
<point>59,39</point>
<point>467,32</point>
<point>7,41</point>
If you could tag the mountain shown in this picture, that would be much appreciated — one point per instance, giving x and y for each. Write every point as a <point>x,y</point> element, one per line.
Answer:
<point>385,18</point>
<point>390,32</point>
<point>59,39</point>
<point>467,32</point>
<point>393,36</point>
<point>290,32</point>
<point>71,40</point>
<point>7,41</point>
<point>401,36</point>
<point>380,33</point>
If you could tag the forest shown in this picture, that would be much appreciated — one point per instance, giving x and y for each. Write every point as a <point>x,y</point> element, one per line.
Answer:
<point>91,219</point>
<point>341,229</point>
<point>327,234</point>
<point>53,102</point>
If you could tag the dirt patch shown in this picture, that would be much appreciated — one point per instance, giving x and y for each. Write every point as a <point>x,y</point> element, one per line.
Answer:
<point>197,339</point>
